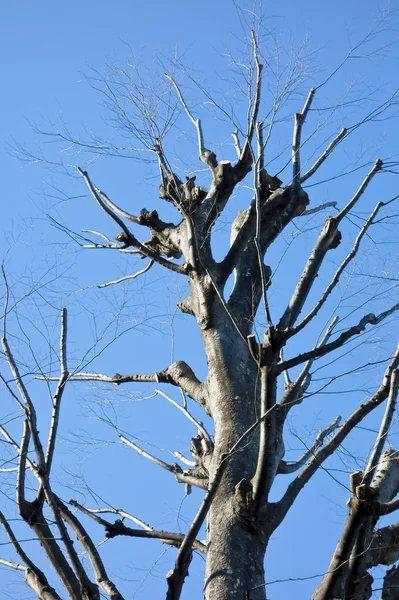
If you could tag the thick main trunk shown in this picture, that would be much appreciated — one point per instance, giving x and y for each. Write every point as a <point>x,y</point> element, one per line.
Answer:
<point>234,568</point>
<point>236,546</point>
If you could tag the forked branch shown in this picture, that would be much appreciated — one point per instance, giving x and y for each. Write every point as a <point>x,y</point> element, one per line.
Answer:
<point>321,455</point>
<point>246,156</point>
<point>287,468</point>
<point>334,281</point>
<point>296,142</point>
<point>127,236</point>
<point>206,156</point>
<point>34,577</point>
<point>119,528</point>
<point>181,477</point>
<point>319,351</point>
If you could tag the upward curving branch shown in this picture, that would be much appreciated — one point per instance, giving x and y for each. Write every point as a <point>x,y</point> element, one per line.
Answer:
<point>369,319</point>
<point>207,157</point>
<point>296,142</point>
<point>329,238</point>
<point>127,236</point>
<point>281,508</point>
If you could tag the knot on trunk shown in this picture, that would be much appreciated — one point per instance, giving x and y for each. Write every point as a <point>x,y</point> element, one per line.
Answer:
<point>243,504</point>
<point>202,452</point>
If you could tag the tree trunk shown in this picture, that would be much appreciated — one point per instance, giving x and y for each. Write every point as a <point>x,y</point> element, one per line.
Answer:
<point>234,568</point>
<point>236,546</point>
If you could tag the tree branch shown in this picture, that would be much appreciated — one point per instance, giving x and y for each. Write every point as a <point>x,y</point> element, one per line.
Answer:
<point>316,209</point>
<point>147,268</point>
<point>64,374</point>
<point>325,155</point>
<point>127,236</point>
<point>119,211</point>
<point>21,474</point>
<point>189,416</point>
<point>118,528</point>
<point>268,460</point>
<point>338,273</point>
<point>181,477</point>
<point>369,319</point>
<point>288,468</point>
<point>376,167</point>
<point>348,570</point>
<point>282,507</point>
<point>246,155</point>
<point>296,142</point>
<point>102,579</point>
<point>375,455</point>
<point>294,392</point>
<point>328,239</point>
<point>34,577</point>
<point>206,156</point>
<point>178,374</point>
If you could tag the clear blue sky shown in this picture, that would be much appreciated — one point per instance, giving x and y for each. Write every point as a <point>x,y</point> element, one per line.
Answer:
<point>47,50</point>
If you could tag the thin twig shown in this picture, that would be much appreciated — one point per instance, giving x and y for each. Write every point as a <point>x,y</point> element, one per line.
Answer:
<point>287,468</point>
<point>147,268</point>
<point>189,416</point>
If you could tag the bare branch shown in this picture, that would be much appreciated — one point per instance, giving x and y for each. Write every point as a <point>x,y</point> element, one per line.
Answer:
<point>369,319</point>
<point>64,374</point>
<point>183,459</point>
<point>328,239</point>
<point>40,471</point>
<point>12,565</point>
<point>356,417</point>
<point>267,462</point>
<point>34,577</point>
<point>236,143</point>
<point>115,511</point>
<point>325,155</point>
<point>178,374</point>
<point>205,155</point>
<point>376,167</point>
<point>119,211</point>
<point>316,209</point>
<point>118,528</point>
<point>147,268</point>
<point>296,142</point>
<point>102,578</point>
<point>189,416</point>
<point>375,455</point>
<point>29,407</point>
<point>246,152</point>
<point>22,460</point>
<point>287,468</point>
<point>127,237</point>
<point>295,391</point>
<point>350,256</point>
<point>181,477</point>
<point>100,201</point>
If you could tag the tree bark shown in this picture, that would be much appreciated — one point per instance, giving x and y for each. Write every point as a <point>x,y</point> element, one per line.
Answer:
<point>236,546</point>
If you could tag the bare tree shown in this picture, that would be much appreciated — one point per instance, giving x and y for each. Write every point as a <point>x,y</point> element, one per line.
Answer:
<point>251,387</point>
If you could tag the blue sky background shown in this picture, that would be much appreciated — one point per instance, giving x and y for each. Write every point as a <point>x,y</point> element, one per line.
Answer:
<point>47,52</point>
